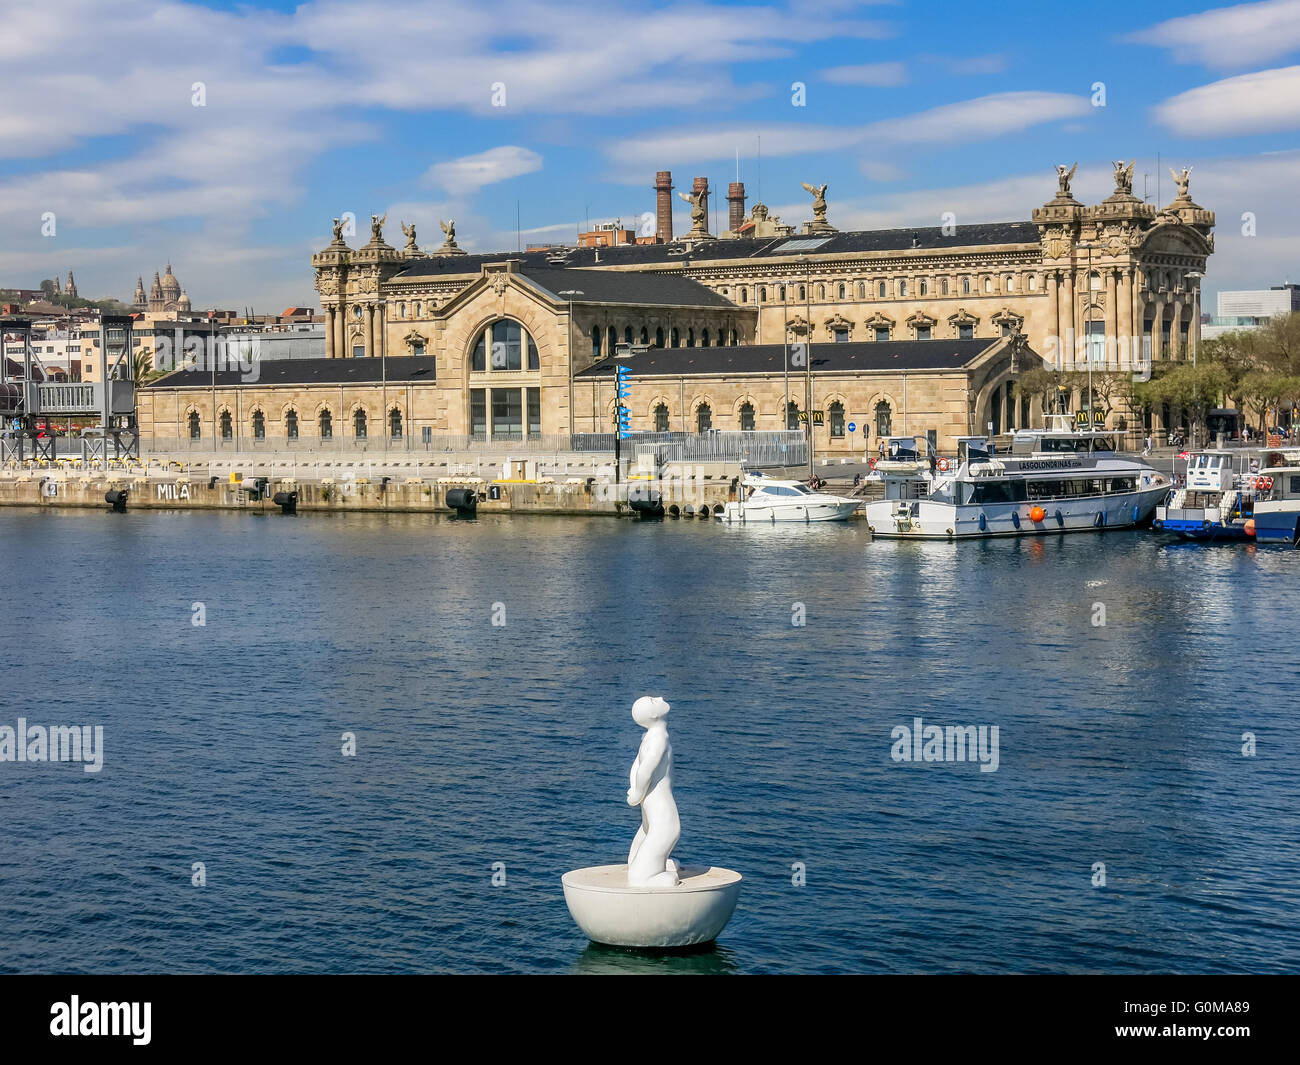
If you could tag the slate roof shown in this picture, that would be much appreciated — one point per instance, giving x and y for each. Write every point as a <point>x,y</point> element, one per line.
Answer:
<point>928,238</point>
<point>617,286</point>
<point>826,358</point>
<point>400,369</point>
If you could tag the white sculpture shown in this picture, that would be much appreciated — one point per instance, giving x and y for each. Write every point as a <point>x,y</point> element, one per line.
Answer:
<point>651,788</point>
<point>652,901</point>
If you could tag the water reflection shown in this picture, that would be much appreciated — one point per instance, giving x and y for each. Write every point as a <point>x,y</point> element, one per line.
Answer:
<point>708,960</point>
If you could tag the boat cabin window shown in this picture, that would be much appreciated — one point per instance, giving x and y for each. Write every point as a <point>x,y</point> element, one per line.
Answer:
<point>973,451</point>
<point>903,450</point>
<point>1011,491</point>
<point>1074,443</point>
<point>779,490</point>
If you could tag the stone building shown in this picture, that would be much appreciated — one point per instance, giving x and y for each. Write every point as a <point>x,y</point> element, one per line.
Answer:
<point>948,314</point>
<point>165,295</point>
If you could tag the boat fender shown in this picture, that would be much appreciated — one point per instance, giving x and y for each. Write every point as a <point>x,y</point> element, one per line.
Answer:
<point>1096,520</point>
<point>1015,519</point>
<point>1060,519</point>
<point>1135,513</point>
<point>983,523</point>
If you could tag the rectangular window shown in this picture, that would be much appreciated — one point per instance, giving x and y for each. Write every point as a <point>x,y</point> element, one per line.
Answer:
<point>882,332</point>
<point>534,412</point>
<point>1096,343</point>
<point>922,332</point>
<point>478,412</point>
<point>965,332</point>
<point>507,413</point>
<point>359,351</point>
<point>841,336</point>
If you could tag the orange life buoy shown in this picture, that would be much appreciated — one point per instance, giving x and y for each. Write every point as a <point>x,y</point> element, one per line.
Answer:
<point>1264,484</point>
<point>943,465</point>
<point>873,464</point>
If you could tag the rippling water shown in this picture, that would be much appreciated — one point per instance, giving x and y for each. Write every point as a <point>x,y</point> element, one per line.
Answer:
<point>479,744</point>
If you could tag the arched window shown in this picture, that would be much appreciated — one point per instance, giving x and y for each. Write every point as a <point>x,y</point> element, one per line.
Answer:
<point>659,337</point>
<point>836,412</point>
<point>1010,283</point>
<point>395,423</point>
<point>501,346</point>
<point>326,425</point>
<point>733,338</point>
<point>417,308</point>
<point>403,309</point>
<point>821,292</point>
<point>965,286</point>
<point>943,287</point>
<point>227,426</point>
<point>883,419</point>
<point>862,290</point>
<point>359,424</point>
<point>703,418</point>
<point>627,334</point>
<point>195,432</point>
<point>661,417</point>
<point>677,338</point>
<point>1094,282</point>
<point>645,335</point>
<point>704,339</point>
<point>792,415</point>
<point>259,425</point>
<point>747,417</point>
<point>880,290</point>
<point>925,287</point>
<point>291,424</point>
<point>1033,282</point>
<point>902,287</point>
<point>803,293</point>
<point>842,291</point>
<point>612,335</point>
<point>762,294</point>
<point>744,296</point>
<point>988,284</point>
<point>595,342</point>
<point>782,293</point>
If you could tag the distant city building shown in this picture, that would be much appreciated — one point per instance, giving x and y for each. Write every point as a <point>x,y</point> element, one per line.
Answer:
<point>1251,308</point>
<point>165,295</point>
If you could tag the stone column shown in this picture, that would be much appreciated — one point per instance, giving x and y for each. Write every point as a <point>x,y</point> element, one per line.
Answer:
<point>1067,328</point>
<point>1175,330</point>
<point>1054,317</point>
<point>1157,330</point>
<point>1112,322</point>
<point>329,333</point>
<point>1139,315</point>
<point>1124,352</point>
<point>341,324</point>
<point>368,328</point>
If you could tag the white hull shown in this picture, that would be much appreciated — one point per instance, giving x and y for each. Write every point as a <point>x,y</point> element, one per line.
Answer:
<point>925,520</point>
<point>813,510</point>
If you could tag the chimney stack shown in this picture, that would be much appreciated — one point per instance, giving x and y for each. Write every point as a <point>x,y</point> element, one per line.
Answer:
<point>735,205</point>
<point>663,187</point>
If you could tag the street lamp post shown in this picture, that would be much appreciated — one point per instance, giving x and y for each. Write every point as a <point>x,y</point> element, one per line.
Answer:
<point>1087,321</point>
<point>569,293</point>
<point>807,356</point>
<point>1195,276</point>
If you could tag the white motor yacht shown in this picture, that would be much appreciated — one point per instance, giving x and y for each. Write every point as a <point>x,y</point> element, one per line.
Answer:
<point>766,499</point>
<point>1053,480</point>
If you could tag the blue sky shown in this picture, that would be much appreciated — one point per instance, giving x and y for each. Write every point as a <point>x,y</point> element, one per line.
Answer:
<point>908,111</point>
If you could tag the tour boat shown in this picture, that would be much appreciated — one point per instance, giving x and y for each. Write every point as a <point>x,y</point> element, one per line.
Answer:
<point>766,499</point>
<point>1216,502</point>
<point>1051,480</point>
<point>1277,496</point>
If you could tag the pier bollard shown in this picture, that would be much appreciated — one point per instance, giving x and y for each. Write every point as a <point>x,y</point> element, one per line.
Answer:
<point>117,500</point>
<point>286,501</point>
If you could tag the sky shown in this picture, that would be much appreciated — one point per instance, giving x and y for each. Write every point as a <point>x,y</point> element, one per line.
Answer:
<point>224,137</point>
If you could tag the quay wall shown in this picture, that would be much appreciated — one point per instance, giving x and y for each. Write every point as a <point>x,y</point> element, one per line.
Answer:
<point>180,492</point>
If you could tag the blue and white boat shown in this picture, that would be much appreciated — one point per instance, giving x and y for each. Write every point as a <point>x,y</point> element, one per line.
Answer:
<point>1216,502</point>
<point>1277,496</point>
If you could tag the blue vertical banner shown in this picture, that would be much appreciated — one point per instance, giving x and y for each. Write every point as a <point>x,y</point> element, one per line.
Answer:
<point>624,389</point>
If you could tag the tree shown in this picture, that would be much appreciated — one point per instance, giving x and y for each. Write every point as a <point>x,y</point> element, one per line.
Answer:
<point>1044,385</point>
<point>1260,391</point>
<point>1196,389</point>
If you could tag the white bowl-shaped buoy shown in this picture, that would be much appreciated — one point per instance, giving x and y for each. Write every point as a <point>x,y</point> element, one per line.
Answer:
<point>692,913</point>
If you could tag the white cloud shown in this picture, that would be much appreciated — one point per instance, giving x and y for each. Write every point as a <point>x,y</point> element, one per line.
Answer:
<point>470,173</point>
<point>1263,102</point>
<point>882,75</point>
<point>948,124</point>
<point>1227,37</point>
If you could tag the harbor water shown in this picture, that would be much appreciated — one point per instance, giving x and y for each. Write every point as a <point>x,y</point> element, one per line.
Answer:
<point>1141,815</point>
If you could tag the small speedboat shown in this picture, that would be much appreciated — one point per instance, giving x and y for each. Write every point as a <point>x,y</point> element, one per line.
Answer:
<point>766,499</point>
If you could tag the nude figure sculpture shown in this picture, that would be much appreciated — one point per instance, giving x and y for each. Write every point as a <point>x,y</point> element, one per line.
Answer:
<point>651,787</point>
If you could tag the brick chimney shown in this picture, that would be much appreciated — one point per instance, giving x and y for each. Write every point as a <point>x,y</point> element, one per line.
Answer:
<point>663,187</point>
<point>735,205</point>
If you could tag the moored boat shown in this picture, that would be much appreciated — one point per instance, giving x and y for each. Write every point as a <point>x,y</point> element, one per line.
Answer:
<point>770,500</point>
<point>1052,480</point>
<point>1215,502</point>
<point>1277,497</point>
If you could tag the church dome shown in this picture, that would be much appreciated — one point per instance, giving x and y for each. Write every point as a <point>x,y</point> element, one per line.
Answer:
<point>183,304</point>
<point>171,288</point>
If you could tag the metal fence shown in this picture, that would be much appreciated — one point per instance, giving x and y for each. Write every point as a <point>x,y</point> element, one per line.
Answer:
<point>752,449</point>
